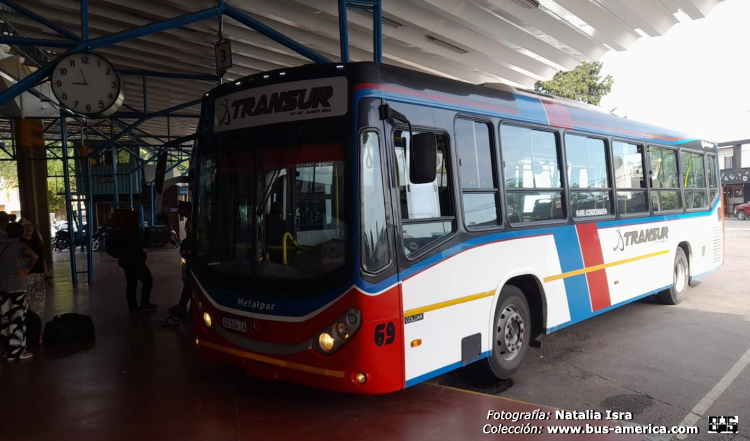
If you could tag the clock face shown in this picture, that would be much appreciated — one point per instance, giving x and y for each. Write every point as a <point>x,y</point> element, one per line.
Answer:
<point>88,84</point>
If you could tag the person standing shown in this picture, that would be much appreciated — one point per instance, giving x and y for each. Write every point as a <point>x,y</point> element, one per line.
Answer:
<point>132,259</point>
<point>179,311</point>
<point>36,291</point>
<point>16,260</point>
<point>4,220</point>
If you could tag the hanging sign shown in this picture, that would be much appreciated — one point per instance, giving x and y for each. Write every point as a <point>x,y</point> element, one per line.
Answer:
<point>223,57</point>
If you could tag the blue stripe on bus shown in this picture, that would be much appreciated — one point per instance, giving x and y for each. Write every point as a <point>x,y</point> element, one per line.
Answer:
<point>705,274</point>
<point>571,259</point>
<point>443,370</point>
<point>511,234</point>
<point>609,308</point>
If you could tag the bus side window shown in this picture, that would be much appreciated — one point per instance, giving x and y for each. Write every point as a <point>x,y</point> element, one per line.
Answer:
<point>375,253</point>
<point>427,212</point>
<point>590,188</point>
<point>533,188</point>
<point>713,178</point>
<point>693,180</point>
<point>476,168</point>
<point>631,186</point>
<point>665,186</point>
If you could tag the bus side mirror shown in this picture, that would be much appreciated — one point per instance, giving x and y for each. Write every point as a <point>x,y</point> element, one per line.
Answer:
<point>423,164</point>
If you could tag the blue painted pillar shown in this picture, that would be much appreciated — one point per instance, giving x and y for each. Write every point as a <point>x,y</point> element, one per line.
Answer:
<point>344,32</point>
<point>68,197</point>
<point>90,219</point>
<point>153,217</point>
<point>114,168</point>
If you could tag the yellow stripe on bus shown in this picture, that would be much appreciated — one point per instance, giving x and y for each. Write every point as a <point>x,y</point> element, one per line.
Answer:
<point>602,266</point>
<point>448,303</point>
<point>273,361</point>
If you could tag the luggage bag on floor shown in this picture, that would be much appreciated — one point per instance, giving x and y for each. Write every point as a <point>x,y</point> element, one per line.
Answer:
<point>68,328</point>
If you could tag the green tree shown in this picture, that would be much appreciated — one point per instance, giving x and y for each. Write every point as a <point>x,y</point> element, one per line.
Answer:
<point>584,84</point>
<point>8,172</point>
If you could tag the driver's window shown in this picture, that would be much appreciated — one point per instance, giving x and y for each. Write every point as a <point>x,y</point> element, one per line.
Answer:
<point>427,210</point>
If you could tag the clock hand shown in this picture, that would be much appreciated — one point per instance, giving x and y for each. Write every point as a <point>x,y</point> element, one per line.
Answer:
<point>86,83</point>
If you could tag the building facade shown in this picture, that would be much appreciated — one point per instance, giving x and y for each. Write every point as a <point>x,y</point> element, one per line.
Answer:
<point>734,162</point>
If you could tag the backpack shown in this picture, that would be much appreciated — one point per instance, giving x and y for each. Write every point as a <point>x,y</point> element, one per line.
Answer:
<point>33,329</point>
<point>114,244</point>
<point>68,328</point>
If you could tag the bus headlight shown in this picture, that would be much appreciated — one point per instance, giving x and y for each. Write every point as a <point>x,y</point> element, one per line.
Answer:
<point>207,320</point>
<point>326,342</point>
<point>339,332</point>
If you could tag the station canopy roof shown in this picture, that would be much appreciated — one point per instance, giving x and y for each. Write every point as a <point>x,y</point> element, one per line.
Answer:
<point>517,42</point>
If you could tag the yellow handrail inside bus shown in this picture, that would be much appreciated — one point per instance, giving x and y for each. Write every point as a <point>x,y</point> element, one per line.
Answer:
<point>283,246</point>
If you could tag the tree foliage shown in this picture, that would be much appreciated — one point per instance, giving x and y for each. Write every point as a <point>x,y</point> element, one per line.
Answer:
<point>8,172</point>
<point>584,84</point>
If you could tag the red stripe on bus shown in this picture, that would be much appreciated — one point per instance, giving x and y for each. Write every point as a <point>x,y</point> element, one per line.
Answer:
<point>558,115</point>
<point>588,237</point>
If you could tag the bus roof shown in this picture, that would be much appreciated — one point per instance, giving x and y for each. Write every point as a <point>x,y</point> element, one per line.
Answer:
<point>413,87</point>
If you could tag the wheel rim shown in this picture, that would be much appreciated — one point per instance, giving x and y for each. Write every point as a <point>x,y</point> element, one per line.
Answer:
<point>680,275</point>
<point>510,331</point>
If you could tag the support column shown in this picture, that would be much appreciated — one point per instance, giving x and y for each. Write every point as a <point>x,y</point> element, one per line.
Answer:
<point>68,197</point>
<point>32,177</point>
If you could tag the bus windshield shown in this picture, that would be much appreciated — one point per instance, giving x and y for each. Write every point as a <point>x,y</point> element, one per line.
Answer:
<point>271,212</point>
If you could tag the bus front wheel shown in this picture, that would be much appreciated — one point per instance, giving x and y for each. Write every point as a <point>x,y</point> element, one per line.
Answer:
<point>680,281</point>
<point>512,332</point>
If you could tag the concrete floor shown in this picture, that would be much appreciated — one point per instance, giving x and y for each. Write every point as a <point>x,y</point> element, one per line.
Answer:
<point>139,380</point>
<point>652,360</point>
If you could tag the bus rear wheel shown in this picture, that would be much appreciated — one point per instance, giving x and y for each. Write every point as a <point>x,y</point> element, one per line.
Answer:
<point>680,281</point>
<point>511,332</point>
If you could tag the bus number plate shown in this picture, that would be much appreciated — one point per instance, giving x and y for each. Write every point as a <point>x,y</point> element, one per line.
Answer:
<point>234,324</point>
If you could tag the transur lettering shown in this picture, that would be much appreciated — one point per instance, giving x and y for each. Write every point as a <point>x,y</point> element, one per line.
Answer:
<point>288,101</point>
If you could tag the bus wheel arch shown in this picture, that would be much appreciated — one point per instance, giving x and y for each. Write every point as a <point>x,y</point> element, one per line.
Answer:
<point>532,289</point>
<point>516,322</point>
<point>675,294</point>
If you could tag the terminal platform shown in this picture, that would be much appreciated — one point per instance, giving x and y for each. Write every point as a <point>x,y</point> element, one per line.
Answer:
<point>142,381</point>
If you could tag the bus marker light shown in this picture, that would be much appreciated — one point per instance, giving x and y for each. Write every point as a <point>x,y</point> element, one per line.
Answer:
<point>326,341</point>
<point>197,342</point>
<point>415,343</point>
<point>360,378</point>
<point>342,330</point>
<point>207,319</point>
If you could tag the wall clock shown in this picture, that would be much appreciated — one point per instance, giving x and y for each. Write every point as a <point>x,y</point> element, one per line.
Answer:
<point>88,84</point>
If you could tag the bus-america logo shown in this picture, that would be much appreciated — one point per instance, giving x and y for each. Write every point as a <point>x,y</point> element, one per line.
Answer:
<point>285,102</point>
<point>635,237</point>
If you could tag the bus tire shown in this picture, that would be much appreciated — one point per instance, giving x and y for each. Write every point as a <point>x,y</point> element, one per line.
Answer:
<point>680,281</point>
<point>511,332</point>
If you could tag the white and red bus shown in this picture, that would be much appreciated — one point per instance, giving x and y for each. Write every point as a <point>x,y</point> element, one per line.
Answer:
<point>363,228</point>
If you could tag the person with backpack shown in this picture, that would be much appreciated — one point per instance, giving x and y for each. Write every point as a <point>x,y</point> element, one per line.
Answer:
<point>126,245</point>
<point>16,261</point>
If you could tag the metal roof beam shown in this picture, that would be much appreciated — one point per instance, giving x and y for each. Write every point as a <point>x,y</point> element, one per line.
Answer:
<point>39,19</point>
<point>108,40</point>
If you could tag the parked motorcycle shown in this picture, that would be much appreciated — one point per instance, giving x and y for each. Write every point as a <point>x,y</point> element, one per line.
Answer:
<point>61,240</point>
